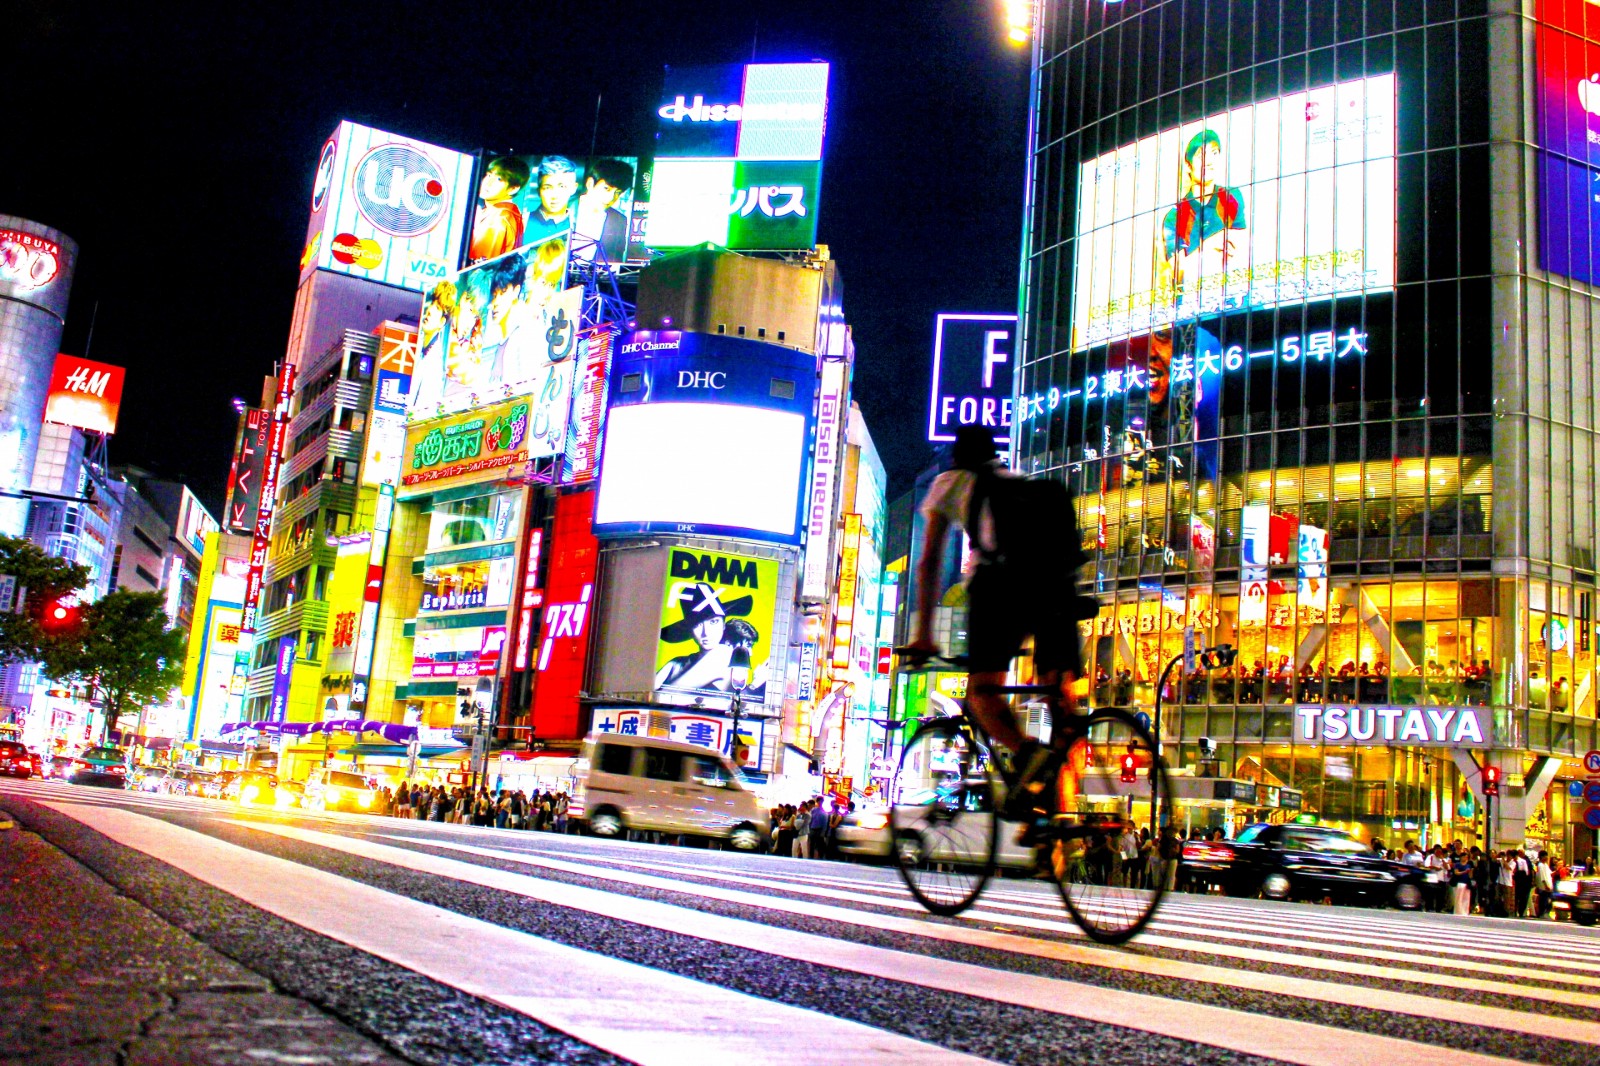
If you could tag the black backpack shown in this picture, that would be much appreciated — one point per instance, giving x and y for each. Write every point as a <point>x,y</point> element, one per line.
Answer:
<point>1035,532</point>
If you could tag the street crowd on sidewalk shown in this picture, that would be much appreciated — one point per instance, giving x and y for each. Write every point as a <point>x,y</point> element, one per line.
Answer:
<point>808,831</point>
<point>1497,884</point>
<point>501,808</point>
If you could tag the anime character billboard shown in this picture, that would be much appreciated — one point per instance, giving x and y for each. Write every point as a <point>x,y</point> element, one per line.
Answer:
<point>1278,202</point>
<point>714,604</point>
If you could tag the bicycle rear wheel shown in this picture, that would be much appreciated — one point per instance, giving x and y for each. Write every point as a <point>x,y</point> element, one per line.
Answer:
<point>1113,789</point>
<point>942,821</point>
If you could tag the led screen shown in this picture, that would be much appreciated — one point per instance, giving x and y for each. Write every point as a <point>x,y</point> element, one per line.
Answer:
<point>1273,203</point>
<point>713,604</point>
<point>1568,46</point>
<point>705,466</point>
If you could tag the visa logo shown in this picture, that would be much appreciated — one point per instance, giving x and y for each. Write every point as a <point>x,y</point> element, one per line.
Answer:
<point>428,267</point>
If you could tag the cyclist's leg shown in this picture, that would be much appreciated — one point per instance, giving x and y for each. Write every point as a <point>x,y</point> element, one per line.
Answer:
<point>992,710</point>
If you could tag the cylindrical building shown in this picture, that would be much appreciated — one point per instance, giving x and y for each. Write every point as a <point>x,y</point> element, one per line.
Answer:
<point>36,264</point>
<point>1310,326</point>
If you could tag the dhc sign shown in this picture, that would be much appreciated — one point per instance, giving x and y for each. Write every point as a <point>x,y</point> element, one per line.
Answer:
<point>1433,727</point>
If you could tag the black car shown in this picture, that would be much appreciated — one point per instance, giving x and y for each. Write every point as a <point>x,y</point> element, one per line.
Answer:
<point>1303,862</point>
<point>1578,897</point>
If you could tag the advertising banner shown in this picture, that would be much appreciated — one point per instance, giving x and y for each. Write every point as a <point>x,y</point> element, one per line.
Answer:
<point>387,208</point>
<point>705,434</point>
<point>505,325</point>
<point>1273,203</point>
<point>249,465</point>
<point>261,533</point>
<point>85,394</point>
<point>473,651</point>
<point>391,395</point>
<point>36,269</point>
<point>563,647</point>
<point>588,406</point>
<point>282,677</point>
<point>819,503</point>
<point>844,611</point>
<point>714,603</point>
<point>486,444</point>
<point>972,375</point>
<point>525,199</point>
<point>739,156</point>
<point>1568,58</point>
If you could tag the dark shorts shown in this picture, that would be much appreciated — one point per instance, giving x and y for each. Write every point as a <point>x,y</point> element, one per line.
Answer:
<point>1003,611</point>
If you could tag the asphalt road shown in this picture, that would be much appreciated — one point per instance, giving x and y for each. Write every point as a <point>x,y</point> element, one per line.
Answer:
<point>346,939</point>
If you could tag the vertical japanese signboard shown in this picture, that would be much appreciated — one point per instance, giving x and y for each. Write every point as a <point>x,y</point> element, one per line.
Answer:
<point>824,474</point>
<point>564,641</point>
<point>845,611</point>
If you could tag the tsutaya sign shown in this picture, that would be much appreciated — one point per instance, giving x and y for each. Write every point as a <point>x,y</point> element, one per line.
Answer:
<point>1440,727</point>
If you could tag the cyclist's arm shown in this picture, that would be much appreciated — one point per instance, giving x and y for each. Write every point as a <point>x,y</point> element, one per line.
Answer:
<point>928,567</point>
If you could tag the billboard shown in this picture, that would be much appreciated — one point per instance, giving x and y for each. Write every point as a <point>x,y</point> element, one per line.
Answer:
<point>706,435</point>
<point>283,677</point>
<point>485,444</point>
<point>714,603</point>
<point>85,394</point>
<point>563,647</point>
<point>1568,78</point>
<point>819,503</point>
<point>526,199</point>
<point>972,372</point>
<point>504,325</point>
<point>1273,203</point>
<point>387,208</point>
<point>36,269</point>
<point>249,465</point>
<point>391,395</point>
<point>588,406</point>
<point>739,157</point>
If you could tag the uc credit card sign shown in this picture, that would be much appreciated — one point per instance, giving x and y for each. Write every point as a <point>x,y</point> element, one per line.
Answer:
<point>974,358</point>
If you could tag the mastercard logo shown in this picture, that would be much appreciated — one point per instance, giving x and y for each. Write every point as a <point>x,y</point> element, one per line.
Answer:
<point>351,250</point>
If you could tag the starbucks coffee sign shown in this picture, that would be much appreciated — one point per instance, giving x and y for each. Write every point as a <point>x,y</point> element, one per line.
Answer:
<point>1436,727</point>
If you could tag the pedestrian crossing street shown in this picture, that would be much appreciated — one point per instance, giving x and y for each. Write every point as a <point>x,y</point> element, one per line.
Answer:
<point>1212,979</point>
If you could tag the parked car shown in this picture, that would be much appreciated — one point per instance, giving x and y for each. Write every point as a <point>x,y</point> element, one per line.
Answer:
<point>328,789</point>
<point>150,778</point>
<point>1578,898</point>
<point>662,785</point>
<point>106,767</point>
<point>252,788</point>
<point>291,794</point>
<point>217,785</point>
<point>18,761</point>
<point>1302,862</point>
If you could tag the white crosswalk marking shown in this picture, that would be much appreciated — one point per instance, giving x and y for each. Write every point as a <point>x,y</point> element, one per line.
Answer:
<point>1437,990</point>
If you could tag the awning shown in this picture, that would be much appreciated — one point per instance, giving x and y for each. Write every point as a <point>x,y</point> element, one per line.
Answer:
<point>139,740</point>
<point>398,751</point>
<point>391,731</point>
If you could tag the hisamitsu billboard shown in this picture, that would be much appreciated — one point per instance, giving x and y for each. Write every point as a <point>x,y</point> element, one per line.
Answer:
<point>973,362</point>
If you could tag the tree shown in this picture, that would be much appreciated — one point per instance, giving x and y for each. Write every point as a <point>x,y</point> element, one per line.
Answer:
<point>46,578</point>
<point>123,647</point>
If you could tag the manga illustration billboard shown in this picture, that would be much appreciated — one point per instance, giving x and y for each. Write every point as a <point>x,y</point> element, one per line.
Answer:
<point>714,603</point>
<point>1273,203</point>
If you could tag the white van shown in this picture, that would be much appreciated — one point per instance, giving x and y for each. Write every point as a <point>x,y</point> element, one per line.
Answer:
<point>666,786</point>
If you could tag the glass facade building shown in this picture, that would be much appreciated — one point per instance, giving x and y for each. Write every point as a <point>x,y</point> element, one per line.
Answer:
<point>1290,336</point>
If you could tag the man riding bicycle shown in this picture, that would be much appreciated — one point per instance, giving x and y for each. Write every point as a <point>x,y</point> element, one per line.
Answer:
<point>1012,594</point>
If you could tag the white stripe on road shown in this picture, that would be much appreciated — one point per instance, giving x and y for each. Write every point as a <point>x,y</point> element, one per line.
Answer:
<point>630,1010</point>
<point>1291,1041</point>
<point>1359,995</point>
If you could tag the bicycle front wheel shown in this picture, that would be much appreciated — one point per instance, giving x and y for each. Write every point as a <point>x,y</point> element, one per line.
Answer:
<point>1104,851</point>
<point>942,821</point>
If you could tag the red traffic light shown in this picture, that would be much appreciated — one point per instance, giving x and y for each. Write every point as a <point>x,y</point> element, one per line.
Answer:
<point>1491,780</point>
<point>59,616</point>
<point>1130,767</point>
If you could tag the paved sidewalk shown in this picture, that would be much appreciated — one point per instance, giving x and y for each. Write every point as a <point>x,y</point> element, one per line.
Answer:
<point>89,977</point>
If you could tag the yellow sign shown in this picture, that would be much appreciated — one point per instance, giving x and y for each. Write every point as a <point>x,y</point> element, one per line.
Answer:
<point>484,444</point>
<point>845,607</point>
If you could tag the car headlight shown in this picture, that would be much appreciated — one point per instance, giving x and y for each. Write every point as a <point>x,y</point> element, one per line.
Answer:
<point>1568,887</point>
<point>332,795</point>
<point>873,820</point>
<point>365,799</point>
<point>249,793</point>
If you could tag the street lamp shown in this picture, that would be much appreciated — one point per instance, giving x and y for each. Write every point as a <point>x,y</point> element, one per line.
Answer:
<point>738,679</point>
<point>1217,658</point>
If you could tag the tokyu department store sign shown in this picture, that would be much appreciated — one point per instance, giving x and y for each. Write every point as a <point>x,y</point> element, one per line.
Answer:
<point>1435,727</point>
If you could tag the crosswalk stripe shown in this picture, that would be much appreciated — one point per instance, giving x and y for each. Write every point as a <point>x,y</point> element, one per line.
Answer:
<point>1015,917</point>
<point>1375,998</point>
<point>1292,1041</point>
<point>633,1011</point>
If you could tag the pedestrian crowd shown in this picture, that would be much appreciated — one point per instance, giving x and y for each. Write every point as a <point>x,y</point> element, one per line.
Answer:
<point>808,831</point>
<point>502,808</point>
<point>1470,880</point>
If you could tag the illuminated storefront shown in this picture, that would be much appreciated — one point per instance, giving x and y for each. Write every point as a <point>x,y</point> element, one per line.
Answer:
<point>1302,412</point>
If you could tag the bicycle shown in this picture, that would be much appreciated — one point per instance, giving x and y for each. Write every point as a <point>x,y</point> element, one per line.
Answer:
<point>946,798</point>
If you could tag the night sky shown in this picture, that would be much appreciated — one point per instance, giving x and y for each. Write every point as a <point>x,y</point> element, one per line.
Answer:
<point>179,154</point>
